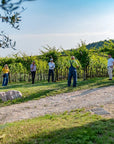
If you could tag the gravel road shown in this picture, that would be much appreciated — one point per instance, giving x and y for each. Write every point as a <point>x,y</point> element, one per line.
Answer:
<point>57,104</point>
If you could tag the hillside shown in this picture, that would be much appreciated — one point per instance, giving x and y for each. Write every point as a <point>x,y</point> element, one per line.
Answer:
<point>97,44</point>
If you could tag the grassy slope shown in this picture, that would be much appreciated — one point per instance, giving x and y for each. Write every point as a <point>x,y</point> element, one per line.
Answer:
<point>77,127</point>
<point>43,89</point>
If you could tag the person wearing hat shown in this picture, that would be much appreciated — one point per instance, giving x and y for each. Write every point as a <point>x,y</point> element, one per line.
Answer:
<point>5,75</point>
<point>51,70</point>
<point>33,71</point>
<point>72,65</point>
<point>110,66</point>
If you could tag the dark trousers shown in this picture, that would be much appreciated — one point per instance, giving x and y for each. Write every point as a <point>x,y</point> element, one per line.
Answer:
<point>51,72</point>
<point>33,76</point>
<point>72,73</point>
<point>5,80</point>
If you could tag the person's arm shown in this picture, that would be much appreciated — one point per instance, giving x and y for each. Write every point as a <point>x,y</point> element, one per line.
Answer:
<point>31,67</point>
<point>35,67</point>
<point>113,62</point>
<point>49,65</point>
<point>75,64</point>
<point>53,65</point>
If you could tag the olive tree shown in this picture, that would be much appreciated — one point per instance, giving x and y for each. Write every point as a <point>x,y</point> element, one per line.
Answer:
<point>11,14</point>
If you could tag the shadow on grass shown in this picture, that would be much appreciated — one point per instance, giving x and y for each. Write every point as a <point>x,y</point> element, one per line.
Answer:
<point>95,81</point>
<point>54,88</point>
<point>41,93</point>
<point>26,85</point>
<point>98,132</point>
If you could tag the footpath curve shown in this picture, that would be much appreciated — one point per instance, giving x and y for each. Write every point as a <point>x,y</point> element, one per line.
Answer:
<point>57,104</point>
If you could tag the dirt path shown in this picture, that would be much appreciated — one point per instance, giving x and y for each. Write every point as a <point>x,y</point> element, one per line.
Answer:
<point>59,103</point>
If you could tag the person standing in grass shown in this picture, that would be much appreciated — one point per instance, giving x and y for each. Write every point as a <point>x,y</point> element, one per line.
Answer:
<point>72,65</point>
<point>5,75</point>
<point>110,66</point>
<point>51,70</point>
<point>33,71</point>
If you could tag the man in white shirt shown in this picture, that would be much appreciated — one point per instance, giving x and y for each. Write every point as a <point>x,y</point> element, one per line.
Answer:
<point>110,66</point>
<point>51,70</point>
<point>33,71</point>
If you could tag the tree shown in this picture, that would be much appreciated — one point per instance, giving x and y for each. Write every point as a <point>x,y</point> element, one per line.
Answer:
<point>50,52</point>
<point>108,48</point>
<point>6,42</point>
<point>12,15</point>
<point>82,54</point>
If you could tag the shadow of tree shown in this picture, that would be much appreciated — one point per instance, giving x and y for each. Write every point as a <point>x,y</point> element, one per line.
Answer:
<point>51,89</point>
<point>98,132</point>
<point>26,85</point>
<point>34,96</point>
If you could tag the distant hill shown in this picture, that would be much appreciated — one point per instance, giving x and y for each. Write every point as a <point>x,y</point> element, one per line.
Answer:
<point>97,44</point>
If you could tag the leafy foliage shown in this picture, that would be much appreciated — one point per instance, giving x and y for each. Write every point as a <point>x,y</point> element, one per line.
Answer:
<point>82,54</point>
<point>50,52</point>
<point>98,44</point>
<point>12,15</point>
<point>6,42</point>
<point>11,12</point>
<point>108,48</point>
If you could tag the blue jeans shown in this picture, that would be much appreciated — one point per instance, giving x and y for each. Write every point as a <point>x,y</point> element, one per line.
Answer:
<point>33,76</point>
<point>51,72</point>
<point>72,73</point>
<point>5,80</point>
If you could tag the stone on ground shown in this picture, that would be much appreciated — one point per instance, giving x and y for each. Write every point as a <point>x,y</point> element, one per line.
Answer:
<point>10,95</point>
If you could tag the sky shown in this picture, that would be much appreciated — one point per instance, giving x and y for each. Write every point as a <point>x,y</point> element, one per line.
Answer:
<point>61,23</point>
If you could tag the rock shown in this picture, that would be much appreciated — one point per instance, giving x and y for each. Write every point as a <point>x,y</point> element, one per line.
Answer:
<point>3,96</point>
<point>10,95</point>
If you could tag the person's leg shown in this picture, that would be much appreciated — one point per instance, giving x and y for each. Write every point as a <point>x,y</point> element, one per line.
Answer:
<point>34,75</point>
<point>49,75</point>
<point>110,73</point>
<point>52,75</point>
<point>6,80</point>
<point>69,78</point>
<point>74,78</point>
<point>32,78</point>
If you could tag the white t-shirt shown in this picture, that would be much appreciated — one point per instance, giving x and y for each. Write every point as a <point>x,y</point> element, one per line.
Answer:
<point>110,62</point>
<point>51,65</point>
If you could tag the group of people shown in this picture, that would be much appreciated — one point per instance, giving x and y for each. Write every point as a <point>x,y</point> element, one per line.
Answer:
<point>72,65</point>
<point>51,70</point>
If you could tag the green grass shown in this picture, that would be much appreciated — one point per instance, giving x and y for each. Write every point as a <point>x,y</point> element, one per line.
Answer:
<point>44,89</point>
<point>76,127</point>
